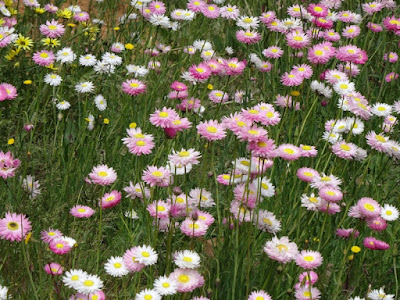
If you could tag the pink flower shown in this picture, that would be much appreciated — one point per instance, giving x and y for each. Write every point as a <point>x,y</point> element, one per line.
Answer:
<point>230,12</point>
<point>308,278</point>
<point>248,36</point>
<point>372,7</point>
<point>187,280</point>
<point>218,96</point>
<point>8,165</point>
<point>130,261</point>
<point>193,228</point>
<point>374,27</point>
<point>351,31</point>
<point>322,23</point>
<point>81,16</point>
<point>321,53</point>
<point>345,150</point>
<point>155,176</point>
<point>281,250</point>
<point>375,244</point>
<point>157,7</point>
<point>44,58</point>
<point>378,142</point>
<point>392,57</point>
<point>52,29</point>
<point>184,157</point>
<point>103,175</point>
<point>291,79</point>
<point>233,66</point>
<point>11,91</point>
<point>53,269</point>
<point>14,227</point>
<point>391,23</point>
<point>201,72</point>
<point>330,194</point>
<point>159,209</point>
<point>210,11</point>
<point>298,40</point>
<point>306,174</point>
<point>196,5</point>
<point>308,260</point>
<point>308,151</point>
<point>3,93</point>
<point>317,10</point>
<point>110,199</point>
<point>163,118</point>
<point>48,235</point>
<point>272,52</point>
<point>289,152</point>
<point>133,87</point>
<point>80,211</point>
<point>368,208</point>
<point>264,147</point>
<point>391,76</point>
<point>259,295</point>
<point>59,246</point>
<point>267,17</point>
<point>377,224</point>
<point>179,86</point>
<point>303,293</point>
<point>346,233</point>
<point>211,130</point>
<point>349,53</point>
<point>331,36</point>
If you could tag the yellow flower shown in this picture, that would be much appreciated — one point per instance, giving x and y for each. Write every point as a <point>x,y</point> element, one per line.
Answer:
<point>28,81</point>
<point>12,11</point>
<point>132,125</point>
<point>129,46</point>
<point>355,249</point>
<point>351,257</point>
<point>2,21</point>
<point>11,54</point>
<point>24,43</point>
<point>64,13</point>
<point>11,141</point>
<point>40,10</point>
<point>116,28</point>
<point>71,24</point>
<point>295,93</point>
<point>8,3</point>
<point>28,237</point>
<point>210,86</point>
<point>106,121</point>
<point>50,42</point>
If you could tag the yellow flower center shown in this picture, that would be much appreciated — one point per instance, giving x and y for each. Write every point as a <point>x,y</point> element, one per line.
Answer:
<point>318,9</point>
<point>308,258</point>
<point>344,86</point>
<point>380,138</point>
<point>59,245</point>
<point>110,198</point>
<point>313,199</point>
<point>145,254</point>
<point>12,226</point>
<point>134,85</point>
<point>187,259</point>
<point>183,278</point>
<point>319,52</point>
<point>117,265</point>
<point>157,174</point>
<point>389,213</point>
<point>282,247</point>
<point>345,147</point>
<point>44,55</point>
<point>298,38</point>
<point>194,226</point>
<point>81,210</point>
<point>163,114</point>
<point>212,129</point>
<point>183,153</point>
<point>248,34</point>
<point>102,174</point>
<point>369,207</point>
<point>264,186</point>
<point>160,208</point>
<point>140,143</point>
<point>267,221</point>
<point>166,285</point>
<point>288,151</point>
<point>52,27</point>
<point>75,278</point>
<point>200,70</point>
<point>247,20</point>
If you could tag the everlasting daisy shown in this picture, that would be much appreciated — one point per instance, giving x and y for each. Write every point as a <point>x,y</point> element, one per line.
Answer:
<point>103,175</point>
<point>248,36</point>
<point>4,295</point>
<point>48,235</point>
<point>306,174</point>
<point>115,267</point>
<point>157,176</point>
<point>308,260</point>
<point>193,228</point>
<point>185,157</point>
<point>53,79</point>
<point>59,246</point>
<point>211,130</point>
<point>389,212</point>
<point>87,60</point>
<point>159,209</point>
<point>375,244</point>
<point>110,199</point>
<point>368,207</point>
<point>303,293</point>
<point>85,87</point>
<point>379,295</point>
<point>148,294</point>
<point>187,279</point>
<point>289,152</point>
<point>281,250</point>
<point>63,105</point>
<point>311,202</point>
<point>44,58</point>
<point>14,227</point>
<point>89,284</point>
<point>381,109</point>
<point>52,29</point>
<point>53,269</point>
<point>187,259</point>
<point>80,211</point>
<point>133,87</point>
<point>65,55</point>
<point>165,286</point>
<point>259,295</point>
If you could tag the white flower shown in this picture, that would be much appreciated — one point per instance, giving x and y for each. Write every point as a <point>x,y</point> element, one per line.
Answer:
<point>331,137</point>
<point>344,87</point>
<point>53,79</point>
<point>103,68</point>
<point>389,212</point>
<point>111,59</point>
<point>115,267</point>
<point>187,259</point>
<point>202,45</point>
<point>379,295</point>
<point>340,126</point>
<point>65,55</point>
<point>355,125</point>
<point>89,284</point>
<point>100,102</point>
<point>5,12</point>
<point>3,293</point>
<point>75,9</point>
<point>381,109</point>
<point>90,120</point>
<point>248,22</point>
<point>87,60</point>
<point>229,50</point>
<point>63,105</point>
<point>265,186</point>
<point>131,214</point>
<point>138,71</point>
<point>266,221</point>
<point>148,294</point>
<point>145,255</point>
<point>165,286</point>
<point>290,23</point>
<point>118,46</point>
<point>72,277</point>
<point>179,169</point>
<point>159,20</point>
<point>31,186</point>
<point>71,242</point>
<point>310,202</point>
<point>84,87</point>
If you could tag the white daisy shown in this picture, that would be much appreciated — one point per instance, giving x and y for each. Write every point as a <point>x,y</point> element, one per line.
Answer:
<point>115,267</point>
<point>145,255</point>
<point>165,286</point>
<point>310,202</point>
<point>202,45</point>
<point>331,137</point>
<point>131,214</point>
<point>65,55</point>
<point>229,50</point>
<point>138,71</point>
<point>266,187</point>
<point>63,105</point>
<point>102,68</point>
<point>84,87</point>
<point>100,102</point>
<point>111,59</point>
<point>246,22</point>
<point>340,126</point>
<point>379,295</point>
<point>71,242</point>
<point>381,109</point>
<point>31,186</point>
<point>389,212</point>
<point>355,125</point>
<point>344,87</point>
<point>87,60</point>
<point>90,120</point>
<point>160,20</point>
<point>3,293</point>
<point>72,277</point>
<point>89,284</point>
<point>148,294</point>
<point>53,79</point>
<point>179,169</point>
<point>187,259</point>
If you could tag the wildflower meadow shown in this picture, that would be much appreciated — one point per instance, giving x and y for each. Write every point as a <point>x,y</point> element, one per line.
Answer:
<point>199,150</point>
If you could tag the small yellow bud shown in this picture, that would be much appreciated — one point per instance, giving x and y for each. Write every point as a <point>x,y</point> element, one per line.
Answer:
<point>351,257</point>
<point>28,237</point>
<point>129,46</point>
<point>210,86</point>
<point>355,249</point>
<point>295,93</point>
<point>11,141</point>
<point>132,125</point>
<point>116,28</point>
<point>28,81</point>
<point>106,121</point>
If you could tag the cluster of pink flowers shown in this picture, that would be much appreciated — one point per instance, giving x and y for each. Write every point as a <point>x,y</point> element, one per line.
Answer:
<point>138,142</point>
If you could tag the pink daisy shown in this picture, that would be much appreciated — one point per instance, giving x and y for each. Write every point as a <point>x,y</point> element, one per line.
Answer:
<point>193,228</point>
<point>345,150</point>
<point>201,72</point>
<point>331,36</point>
<point>374,27</point>
<point>308,151</point>
<point>110,199</point>
<point>187,280</point>
<point>218,96</point>
<point>230,12</point>
<point>130,261</point>
<point>303,293</point>
<point>179,86</point>
<point>159,209</point>
<point>157,7</point>
<point>289,152</point>
<point>163,118</point>
<point>155,176</point>
<point>210,11</point>
<point>80,211</point>
<point>48,235</point>
<point>272,52</point>
<point>317,10</point>
<point>206,217</point>
<point>281,250</point>
<point>59,246</point>
<point>322,23</point>
<point>346,233</point>
<point>3,93</point>
<point>233,66</point>
<point>185,157</point>
<point>81,16</point>
<point>211,130</point>
<point>44,58</point>
<point>53,269</point>
<point>392,57</point>
<point>259,295</point>
<point>8,164</point>
<point>291,79</point>
<point>306,174</point>
<point>196,5</point>
<point>11,91</point>
<point>330,194</point>
<point>14,227</point>
<point>52,29</point>
<point>267,17</point>
<point>264,147</point>
<point>378,142</point>
<point>351,31</point>
<point>377,224</point>
<point>368,207</point>
<point>391,76</point>
<point>248,36</point>
<point>308,259</point>
<point>133,87</point>
<point>298,40</point>
<point>103,175</point>
<point>375,244</point>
